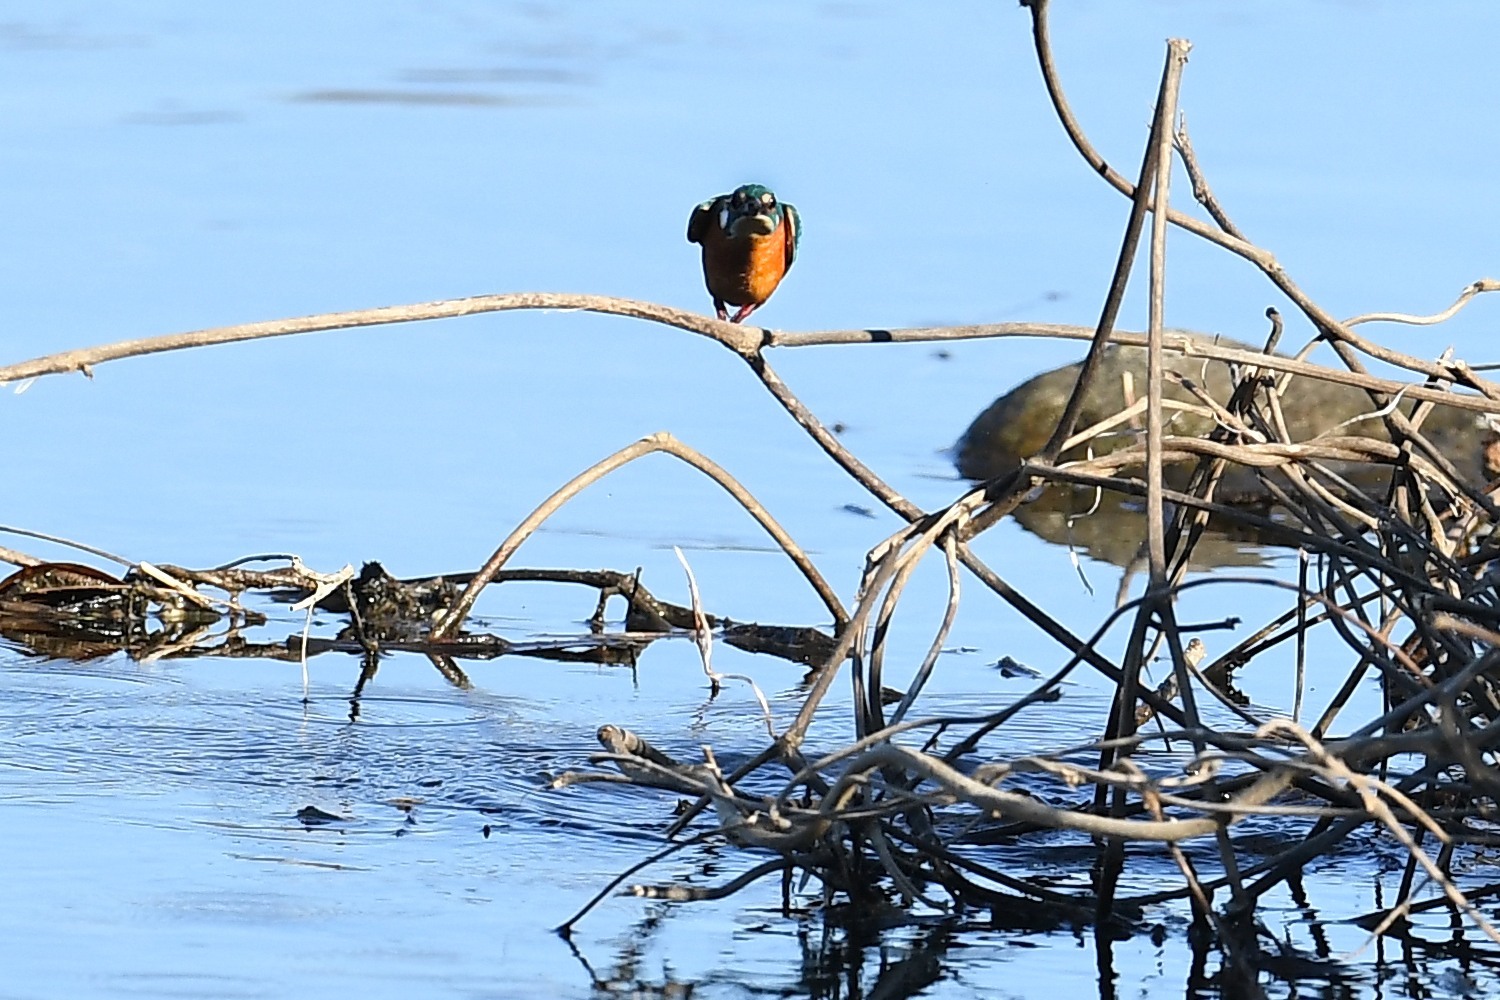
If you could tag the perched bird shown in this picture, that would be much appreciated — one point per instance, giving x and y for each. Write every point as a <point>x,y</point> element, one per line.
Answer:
<point>749,241</point>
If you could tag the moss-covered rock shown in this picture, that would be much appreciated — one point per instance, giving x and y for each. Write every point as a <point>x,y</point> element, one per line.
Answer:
<point>1017,425</point>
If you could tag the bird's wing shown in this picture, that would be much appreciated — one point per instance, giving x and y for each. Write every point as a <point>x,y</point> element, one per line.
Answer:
<point>698,222</point>
<point>793,224</point>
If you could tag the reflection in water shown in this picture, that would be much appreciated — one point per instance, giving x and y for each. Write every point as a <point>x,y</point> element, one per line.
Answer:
<point>626,977</point>
<point>840,959</point>
<point>857,959</point>
<point>1111,528</point>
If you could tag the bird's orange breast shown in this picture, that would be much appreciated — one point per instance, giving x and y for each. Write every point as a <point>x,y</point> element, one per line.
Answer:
<point>744,271</point>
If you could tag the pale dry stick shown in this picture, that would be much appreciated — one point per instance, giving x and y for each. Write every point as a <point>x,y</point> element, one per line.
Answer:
<point>909,558</point>
<point>1214,410</point>
<point>1161,136</point>
<point>327,584</point>
<point>1135,409</point>
<point>18,558</point>
<point>1150,168</point>
<point>1202,193</point>
<point>887,567</point>
<point>703,636</point>
<point>58,540</point>
<point>744,341</point>
<point>1470,290</point>
<point>950,612</point>
<point>658,442</point>
<point>1160,606</point>
<point>1027,809</point>
<point>1269,454</point>
<point>1261,258</point>
<point>740,339</point>
<point>1383,411</point>
<point>747,341</point>
<point>179,588</point>
<point>849,636</point>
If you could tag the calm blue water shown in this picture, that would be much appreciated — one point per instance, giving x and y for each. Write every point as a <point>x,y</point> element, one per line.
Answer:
<point>171,166</point>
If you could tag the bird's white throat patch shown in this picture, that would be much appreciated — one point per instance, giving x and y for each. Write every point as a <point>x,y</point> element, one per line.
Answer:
<point>753,225</point>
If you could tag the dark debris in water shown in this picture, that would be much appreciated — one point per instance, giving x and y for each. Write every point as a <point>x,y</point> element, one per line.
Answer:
<point>311,816</point>
<point>70,611</point>
<point>1014,668</point>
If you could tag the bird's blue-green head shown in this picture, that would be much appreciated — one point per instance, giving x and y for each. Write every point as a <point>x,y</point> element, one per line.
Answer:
<point>752,209</point>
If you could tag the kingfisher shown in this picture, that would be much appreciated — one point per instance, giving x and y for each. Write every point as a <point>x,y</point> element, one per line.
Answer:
<point>749,242</point>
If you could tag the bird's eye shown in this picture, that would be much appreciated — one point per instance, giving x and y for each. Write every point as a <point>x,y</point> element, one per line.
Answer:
<point>768,199</point>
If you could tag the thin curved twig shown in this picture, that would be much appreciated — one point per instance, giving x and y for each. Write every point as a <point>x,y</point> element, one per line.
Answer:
<point>1471,290</point>
<point>659,442</point>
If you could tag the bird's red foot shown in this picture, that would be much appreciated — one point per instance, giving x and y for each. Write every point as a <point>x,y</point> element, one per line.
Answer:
<point>719,308</point>
<point>742,312</point>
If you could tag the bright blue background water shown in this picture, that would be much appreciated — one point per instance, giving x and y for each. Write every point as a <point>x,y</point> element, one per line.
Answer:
<point>171,166</point>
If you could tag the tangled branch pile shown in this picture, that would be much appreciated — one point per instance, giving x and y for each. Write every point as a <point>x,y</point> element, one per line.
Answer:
<point>1402,576</point>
